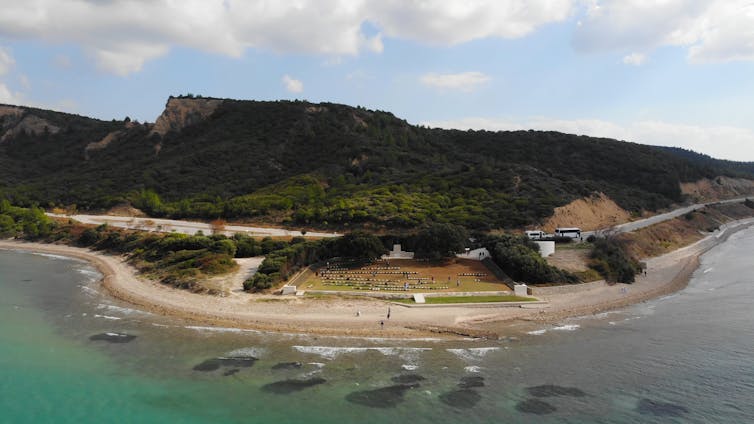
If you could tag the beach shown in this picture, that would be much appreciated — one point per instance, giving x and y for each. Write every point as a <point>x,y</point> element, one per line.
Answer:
<point>361,317</point>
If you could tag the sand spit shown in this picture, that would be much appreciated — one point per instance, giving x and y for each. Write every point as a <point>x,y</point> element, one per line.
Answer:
<point>337,316</point>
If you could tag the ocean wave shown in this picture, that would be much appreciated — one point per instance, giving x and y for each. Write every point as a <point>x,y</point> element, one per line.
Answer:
<point>332,352</point>
<point>53,256</point>
<point>409,367</point>
<point>88,290</point>
<point>567,327</point>
<point>474,353</point>
<point>220,329</point>
<point>246,352</point>
<point>537,332</point>
<point>107,317</point>
<point>122,310</point>
<point>473,369</point>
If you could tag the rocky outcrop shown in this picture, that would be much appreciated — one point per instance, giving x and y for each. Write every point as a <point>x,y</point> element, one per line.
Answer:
<point>181,112</point>
<point>707,190</point>
<point>14,122</point>
<point>99,145</point>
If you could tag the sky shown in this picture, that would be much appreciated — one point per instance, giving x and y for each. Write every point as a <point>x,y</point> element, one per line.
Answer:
<point>663,72</point>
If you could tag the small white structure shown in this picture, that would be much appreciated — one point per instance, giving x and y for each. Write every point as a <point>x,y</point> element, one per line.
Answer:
<point>520,290</point>
<point>397,253</point>
<point>419,298</point>
<point>288,290</point>
<point>476,254</point>
<point>546,248</point>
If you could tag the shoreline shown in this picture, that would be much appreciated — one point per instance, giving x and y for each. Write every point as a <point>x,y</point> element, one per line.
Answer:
<point>668,273</point>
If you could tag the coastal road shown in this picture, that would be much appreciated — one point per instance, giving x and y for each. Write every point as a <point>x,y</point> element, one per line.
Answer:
<point>187,227</point>
<point>642,223</point>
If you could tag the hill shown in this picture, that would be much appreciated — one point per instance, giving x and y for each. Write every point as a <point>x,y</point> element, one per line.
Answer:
<point>327,165</point>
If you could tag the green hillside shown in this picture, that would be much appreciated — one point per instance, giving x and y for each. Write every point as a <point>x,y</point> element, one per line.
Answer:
<point>325,165</point>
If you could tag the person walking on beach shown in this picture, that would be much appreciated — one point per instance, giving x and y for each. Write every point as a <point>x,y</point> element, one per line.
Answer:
<point>388,312</point>
<point>382,325</point>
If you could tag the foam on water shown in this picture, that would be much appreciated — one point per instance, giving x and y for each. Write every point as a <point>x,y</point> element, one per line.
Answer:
<point>409,367</point>
<point>122,310</point>
<point>246,352</point>
<point>332,352</point>
<point>474,353</point>
<point>537,332</point>
<point>220,329</point>
<point>567,327</point>
<point>473,369</point>
<point>53,256</point>
<point>107,317</point>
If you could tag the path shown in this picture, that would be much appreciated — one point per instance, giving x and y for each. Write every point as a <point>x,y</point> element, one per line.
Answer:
<point>187,227</point>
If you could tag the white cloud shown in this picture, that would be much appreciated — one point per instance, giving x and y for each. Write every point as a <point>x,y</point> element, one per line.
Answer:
<point>292,85</point>
<point>8,97</point>
<point>465,81</point>
<point>122,35</point>
<point>711,30</point>
<point>6,61</point>
<point>635,59</point>
<point>724,142</point>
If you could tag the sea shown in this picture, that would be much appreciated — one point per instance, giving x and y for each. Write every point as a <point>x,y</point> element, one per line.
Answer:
<point>71,354</point>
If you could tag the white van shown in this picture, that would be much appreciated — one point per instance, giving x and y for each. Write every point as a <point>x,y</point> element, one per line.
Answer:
<point>570,232</point>
<point>535,234</point>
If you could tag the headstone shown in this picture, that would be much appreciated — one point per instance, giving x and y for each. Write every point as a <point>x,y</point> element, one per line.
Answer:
<point>419,298</point>
<point>520,290</point>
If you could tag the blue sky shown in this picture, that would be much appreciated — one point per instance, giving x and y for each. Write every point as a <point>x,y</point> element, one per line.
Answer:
<point>667,72</point>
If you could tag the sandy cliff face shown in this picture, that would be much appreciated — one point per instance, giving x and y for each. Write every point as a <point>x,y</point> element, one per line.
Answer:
<point>182,112</point>
<point>597,211</point>
<point>707,190</point>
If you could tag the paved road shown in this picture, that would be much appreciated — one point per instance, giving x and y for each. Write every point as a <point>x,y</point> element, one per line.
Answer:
<point>642,223</point>
<point>186,227</point>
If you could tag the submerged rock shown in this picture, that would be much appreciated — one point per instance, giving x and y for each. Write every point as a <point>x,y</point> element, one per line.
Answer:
<point>535,406</point>
<point>287,366</point>
<point>230,372</point>
<point>660,409</point>
<point>550,390</point>
<point>469,382</point>
<point>386,397</point>
<point>113,337</point>
<point>290,386</point>
<point>214,364</point>
<point>463,398</point>
<point>407,378</point>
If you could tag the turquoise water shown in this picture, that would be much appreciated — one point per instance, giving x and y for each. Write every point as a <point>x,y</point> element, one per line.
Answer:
<point>682,358</point>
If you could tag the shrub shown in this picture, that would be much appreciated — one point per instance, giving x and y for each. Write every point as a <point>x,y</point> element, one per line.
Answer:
<point>611,259</point>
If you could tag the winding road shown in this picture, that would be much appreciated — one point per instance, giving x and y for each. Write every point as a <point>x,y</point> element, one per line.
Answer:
<point>187,227</point>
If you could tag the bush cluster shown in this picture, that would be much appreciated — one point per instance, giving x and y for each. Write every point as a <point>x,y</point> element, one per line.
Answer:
<point>610,258</point>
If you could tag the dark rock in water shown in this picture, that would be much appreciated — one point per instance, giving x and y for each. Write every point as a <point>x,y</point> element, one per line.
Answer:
<point>238,361</point>
<point>113,337</point>
<point>289,386</point>
<point>386,397</point>
<point>535,406</point>
<point>232,362</point>
<point>464,398</point>
<point>550,390</point>
<point>660,409</point>
<point>208,365</point>
<point>287,366</point>
<point>230,372</point>
<point>472,381</point>
<point>407,378</point>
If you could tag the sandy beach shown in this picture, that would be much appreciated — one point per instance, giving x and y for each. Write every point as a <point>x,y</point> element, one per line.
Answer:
<point>338,316</point>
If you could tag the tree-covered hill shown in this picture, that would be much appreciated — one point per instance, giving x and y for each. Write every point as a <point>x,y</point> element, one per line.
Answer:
<point>325,165</point>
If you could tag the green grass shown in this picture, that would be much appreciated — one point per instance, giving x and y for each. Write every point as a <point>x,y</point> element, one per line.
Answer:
<point>468,299</point>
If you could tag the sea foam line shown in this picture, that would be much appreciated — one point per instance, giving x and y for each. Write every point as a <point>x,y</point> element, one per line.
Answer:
<point>332,352</point>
